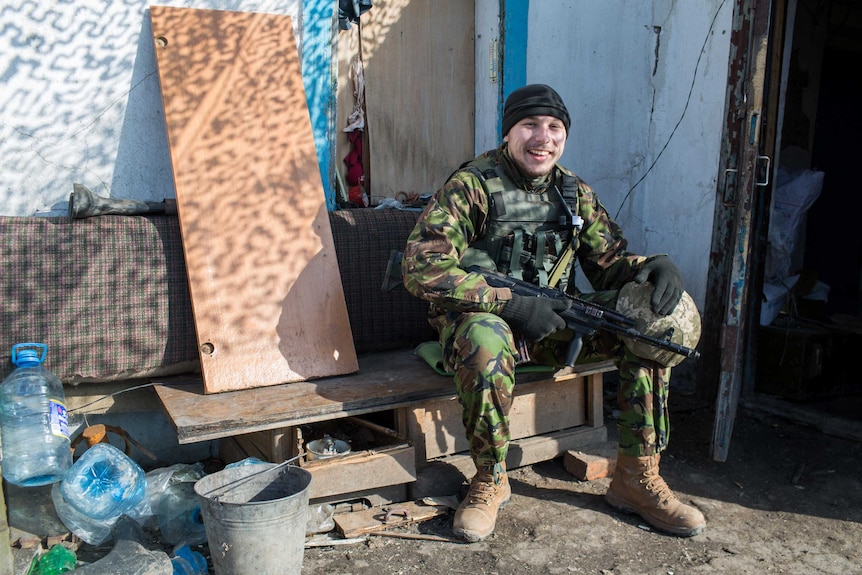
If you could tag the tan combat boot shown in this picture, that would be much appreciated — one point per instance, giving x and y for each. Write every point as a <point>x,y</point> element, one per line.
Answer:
<point>638,488</point>
<point>477,514</point>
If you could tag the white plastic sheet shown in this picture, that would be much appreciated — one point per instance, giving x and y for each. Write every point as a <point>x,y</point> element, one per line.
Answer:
<point>794,195</point>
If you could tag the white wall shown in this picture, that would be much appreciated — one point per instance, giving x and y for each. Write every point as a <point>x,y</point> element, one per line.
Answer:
<point>80,100</point>
<point>625,69</point>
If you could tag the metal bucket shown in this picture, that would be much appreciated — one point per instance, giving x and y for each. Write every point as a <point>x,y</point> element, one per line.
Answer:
<point>255,518</point>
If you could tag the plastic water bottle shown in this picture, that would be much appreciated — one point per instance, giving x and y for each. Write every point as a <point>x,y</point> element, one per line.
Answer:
<point>104,483</point>
<point>179,515</point>
<point>33,420</point>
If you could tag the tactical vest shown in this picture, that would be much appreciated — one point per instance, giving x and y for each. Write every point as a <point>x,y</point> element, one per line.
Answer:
<point>526,232</point>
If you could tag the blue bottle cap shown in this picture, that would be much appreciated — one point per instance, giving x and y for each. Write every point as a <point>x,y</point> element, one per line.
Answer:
<point>24,357</point>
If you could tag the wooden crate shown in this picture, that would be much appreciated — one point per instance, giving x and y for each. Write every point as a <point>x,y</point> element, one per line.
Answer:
<point>437,427</point>
<point>538,408</point>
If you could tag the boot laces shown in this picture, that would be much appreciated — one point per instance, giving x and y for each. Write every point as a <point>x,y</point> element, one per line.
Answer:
<point>656,485</point>
<point>481,492</point>
<point>484,486</point>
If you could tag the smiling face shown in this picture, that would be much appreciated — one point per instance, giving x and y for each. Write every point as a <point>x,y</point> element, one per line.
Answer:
<point>536,143</point>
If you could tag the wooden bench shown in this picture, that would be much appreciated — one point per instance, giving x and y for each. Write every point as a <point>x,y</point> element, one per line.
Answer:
<point>551,413</point>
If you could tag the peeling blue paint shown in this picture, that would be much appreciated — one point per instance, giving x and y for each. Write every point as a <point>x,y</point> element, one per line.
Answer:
<point>318,28</point>
<point>514,14</point>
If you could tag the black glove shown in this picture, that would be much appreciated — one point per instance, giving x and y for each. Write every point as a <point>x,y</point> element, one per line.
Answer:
<point>667,280</point>
<point>535,317</point>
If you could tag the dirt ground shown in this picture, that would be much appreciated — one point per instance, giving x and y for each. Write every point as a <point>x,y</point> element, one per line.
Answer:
<point>787,500</point>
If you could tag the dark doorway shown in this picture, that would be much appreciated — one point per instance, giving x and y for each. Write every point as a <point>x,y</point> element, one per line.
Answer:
<point>834,242</point>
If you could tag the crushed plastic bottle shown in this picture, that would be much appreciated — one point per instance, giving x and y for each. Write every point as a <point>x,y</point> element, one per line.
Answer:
<point>321,519</point>
<point>126,528</point>
<point>179,515</point>
<point>157,481</point>
<point>188,562</point>
<point>243,462</point>
<point>104,482</point>
<point>33,421</point>
<point>93,531</point>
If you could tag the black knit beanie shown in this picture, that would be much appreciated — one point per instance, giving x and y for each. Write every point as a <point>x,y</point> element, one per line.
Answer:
<point>534,100</point>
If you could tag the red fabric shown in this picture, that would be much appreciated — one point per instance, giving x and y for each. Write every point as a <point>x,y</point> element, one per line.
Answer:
<point>353,160</point>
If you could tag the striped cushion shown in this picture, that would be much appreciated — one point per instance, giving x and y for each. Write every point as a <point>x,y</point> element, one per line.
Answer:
<point>109,295</point>
<point>379,319</point>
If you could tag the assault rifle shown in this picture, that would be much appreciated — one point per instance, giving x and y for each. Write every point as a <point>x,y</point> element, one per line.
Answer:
<point>584,318</point>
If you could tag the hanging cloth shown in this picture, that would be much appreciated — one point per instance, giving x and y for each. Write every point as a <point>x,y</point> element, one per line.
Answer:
<point>350,11</point>
<point>356,120</point>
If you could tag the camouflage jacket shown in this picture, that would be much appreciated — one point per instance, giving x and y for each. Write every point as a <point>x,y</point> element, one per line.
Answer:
<point>458,214</point>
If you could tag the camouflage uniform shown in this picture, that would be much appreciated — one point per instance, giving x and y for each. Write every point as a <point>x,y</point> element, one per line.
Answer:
<point>481,348</point>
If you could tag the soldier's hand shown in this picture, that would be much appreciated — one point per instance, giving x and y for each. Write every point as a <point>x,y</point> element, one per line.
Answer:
<point>665,276</point>
<point>535,317</point>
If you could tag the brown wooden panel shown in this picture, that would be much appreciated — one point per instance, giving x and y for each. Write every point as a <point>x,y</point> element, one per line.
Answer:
<point>446,474</point>
<point>419,92</point>
<point>266,291</point>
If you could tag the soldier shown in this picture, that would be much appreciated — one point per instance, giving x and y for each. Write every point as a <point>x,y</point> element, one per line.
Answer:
<point>514,209</point>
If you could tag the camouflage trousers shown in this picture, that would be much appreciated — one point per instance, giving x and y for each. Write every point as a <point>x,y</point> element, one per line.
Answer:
<point>480,348</point>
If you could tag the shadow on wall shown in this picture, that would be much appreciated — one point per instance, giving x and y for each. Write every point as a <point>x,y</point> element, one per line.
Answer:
<point>143,167</point>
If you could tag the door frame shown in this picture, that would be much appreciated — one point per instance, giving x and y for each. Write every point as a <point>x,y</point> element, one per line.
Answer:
<point>743,197</point>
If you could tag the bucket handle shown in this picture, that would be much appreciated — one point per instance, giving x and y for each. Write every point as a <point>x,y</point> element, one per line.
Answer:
<point>224,489</point>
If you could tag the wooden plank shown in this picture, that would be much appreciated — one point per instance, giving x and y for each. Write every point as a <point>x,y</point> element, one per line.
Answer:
<point>361,471</point>
<point>265,287</point>
<point>358,523</point>
<point>595,400</point>
<point>538,408</point>
<point>386,380</point>
<point>828,423</point>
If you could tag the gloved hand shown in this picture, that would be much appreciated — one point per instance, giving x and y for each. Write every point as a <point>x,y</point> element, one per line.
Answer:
<point>665,276</point>
<point>535,317</point>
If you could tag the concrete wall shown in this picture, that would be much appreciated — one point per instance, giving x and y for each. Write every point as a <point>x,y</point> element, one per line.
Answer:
<point>80,100</point>
<point>644,83</point>
<point>626,98</point>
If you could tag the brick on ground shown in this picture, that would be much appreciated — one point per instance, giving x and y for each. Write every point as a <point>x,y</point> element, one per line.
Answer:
<point>593,462</point>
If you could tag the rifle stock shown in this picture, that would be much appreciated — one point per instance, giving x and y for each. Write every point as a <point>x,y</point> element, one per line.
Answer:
<point>584,318</point>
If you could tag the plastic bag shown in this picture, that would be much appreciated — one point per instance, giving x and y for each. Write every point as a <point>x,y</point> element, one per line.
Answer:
<point>795,194</point>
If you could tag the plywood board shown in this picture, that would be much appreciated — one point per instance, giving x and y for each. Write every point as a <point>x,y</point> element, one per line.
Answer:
<point>265,287</point>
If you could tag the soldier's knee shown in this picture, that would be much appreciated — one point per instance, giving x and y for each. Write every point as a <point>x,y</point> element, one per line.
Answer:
<point>483,329</point>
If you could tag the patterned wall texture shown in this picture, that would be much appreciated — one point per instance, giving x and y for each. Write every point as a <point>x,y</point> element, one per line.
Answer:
<point>80,100</point>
